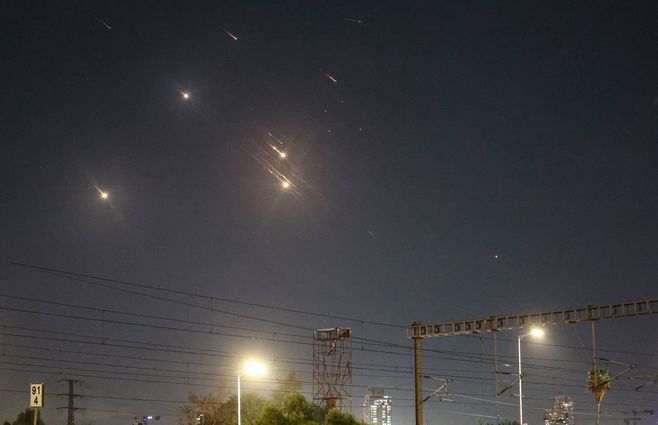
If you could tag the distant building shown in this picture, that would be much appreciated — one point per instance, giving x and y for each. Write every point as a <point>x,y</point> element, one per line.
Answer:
<point>377,407</point>
<point>561,413</point>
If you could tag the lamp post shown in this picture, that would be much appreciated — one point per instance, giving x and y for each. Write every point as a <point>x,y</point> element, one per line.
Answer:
<point>250,368</point>
<point>536,332</point>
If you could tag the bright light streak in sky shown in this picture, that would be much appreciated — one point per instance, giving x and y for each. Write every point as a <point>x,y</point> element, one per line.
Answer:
<point>281,153</point>
<point>269,133</point>
<point>231,35</point>
<point>330,77</point>
<point>103,194</point>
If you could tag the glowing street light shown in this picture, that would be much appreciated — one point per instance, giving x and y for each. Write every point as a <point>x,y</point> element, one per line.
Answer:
<point>537,333</point>
<point>285,184</point>
<point>104,195</point>
<point>249,368</point>
<point>185,95</point>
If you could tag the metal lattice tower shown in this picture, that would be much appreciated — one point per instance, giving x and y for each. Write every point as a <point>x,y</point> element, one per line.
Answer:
<point>332,367</point>
<point>71,396</point>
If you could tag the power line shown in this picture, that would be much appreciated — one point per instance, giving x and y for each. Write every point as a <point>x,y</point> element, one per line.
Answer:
<point>83,278</point>
<point>66,273</point>
<point>453,356</point>
<point>188,379</point>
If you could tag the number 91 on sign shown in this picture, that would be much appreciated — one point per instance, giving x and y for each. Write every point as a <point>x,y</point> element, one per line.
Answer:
<point>36,395</point>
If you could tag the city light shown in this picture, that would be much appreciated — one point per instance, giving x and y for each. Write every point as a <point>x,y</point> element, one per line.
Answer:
<point>249,368</point>
<point>253,368</point>
<point>537,332</point>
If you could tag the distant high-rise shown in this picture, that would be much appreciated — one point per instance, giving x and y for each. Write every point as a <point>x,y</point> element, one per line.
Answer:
<point>377,407</point>
<point>561,413</point>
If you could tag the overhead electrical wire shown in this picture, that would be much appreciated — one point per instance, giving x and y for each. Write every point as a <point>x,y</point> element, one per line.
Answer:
<point>452,355</point>
<point>192,294</point>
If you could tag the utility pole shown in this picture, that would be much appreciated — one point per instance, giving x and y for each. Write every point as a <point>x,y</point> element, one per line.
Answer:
<point>418,370</point>
<point>71,405</point>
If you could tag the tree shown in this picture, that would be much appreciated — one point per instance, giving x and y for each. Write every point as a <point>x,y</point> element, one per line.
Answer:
<point>207,409</point>
<point>272,416</point>
<point>251,408</point>
<point>295,410</point>
<point>287,386</point>
<point>27,418</point>
<point>598,383</point>
<point>299,411</point>
<point>287,407</point>
<point>217,409</point>
<point>336,417</point>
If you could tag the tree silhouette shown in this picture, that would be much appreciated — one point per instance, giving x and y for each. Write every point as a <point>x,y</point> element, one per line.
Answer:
<point>598,383</point>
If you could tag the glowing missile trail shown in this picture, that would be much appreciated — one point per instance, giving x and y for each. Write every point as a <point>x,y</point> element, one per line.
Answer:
<point>269,133</point>
<point>330,77</point>
<point>283,171</point>
<point>235,38</point>
<point>185,95</point>
<point>102,193</point>
<point>281,153</point>
<point>103,22</point>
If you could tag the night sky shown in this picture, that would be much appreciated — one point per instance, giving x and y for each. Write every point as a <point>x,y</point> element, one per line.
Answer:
<point>443,161</point>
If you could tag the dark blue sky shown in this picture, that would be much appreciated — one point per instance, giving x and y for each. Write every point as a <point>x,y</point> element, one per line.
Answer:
<point>473,158</point>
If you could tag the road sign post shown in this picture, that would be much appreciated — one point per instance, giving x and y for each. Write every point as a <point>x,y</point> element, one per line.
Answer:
<point>36,399</point>
<point>36,395</point>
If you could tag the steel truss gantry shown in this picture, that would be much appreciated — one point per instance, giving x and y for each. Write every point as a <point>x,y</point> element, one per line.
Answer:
<point>419,331</point>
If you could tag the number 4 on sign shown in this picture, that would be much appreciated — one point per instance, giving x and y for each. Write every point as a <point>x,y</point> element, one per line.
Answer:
<point>36,395</point>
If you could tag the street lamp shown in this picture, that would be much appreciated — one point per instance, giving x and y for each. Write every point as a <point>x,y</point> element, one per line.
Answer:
<point>538,333</point>
<point>249,368</point>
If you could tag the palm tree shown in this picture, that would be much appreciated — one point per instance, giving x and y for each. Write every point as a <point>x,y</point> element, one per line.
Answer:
<point>598,383</point>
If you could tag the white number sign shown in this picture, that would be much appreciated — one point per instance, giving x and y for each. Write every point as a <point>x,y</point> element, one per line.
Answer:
<point>36,395</point>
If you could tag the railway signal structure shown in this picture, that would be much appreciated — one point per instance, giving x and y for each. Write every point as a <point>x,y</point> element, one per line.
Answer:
<point>592,313</point>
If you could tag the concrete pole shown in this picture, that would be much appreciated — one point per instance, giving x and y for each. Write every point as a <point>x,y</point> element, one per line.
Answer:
<point>418,370</point>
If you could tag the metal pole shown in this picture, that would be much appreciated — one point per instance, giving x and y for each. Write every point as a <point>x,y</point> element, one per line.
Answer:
<point>520,384</point>
<point>239,417</point>
<point>418,369</point>
<point>71,410</point>
<point>36,415</point>
<point>593,345</point>
<point>495,347</point>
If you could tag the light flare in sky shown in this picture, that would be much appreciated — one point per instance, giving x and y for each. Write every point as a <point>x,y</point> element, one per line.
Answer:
<point>185,95</point>
<point>103,194</point>
<point>104,23</point>
<point>330,77</point>
<point>281,153</point>
<point>234,37</point>
<point>269,133</point>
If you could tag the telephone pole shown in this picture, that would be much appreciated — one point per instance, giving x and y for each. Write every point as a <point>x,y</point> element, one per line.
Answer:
<point>71,405</point>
